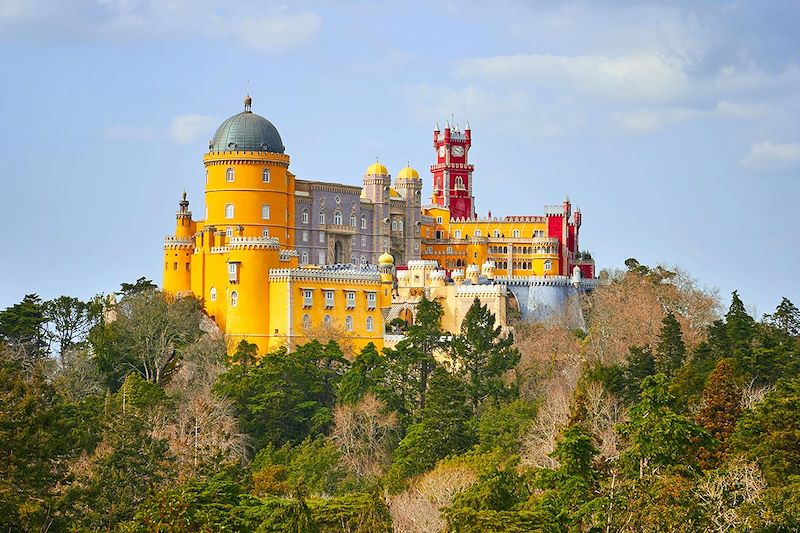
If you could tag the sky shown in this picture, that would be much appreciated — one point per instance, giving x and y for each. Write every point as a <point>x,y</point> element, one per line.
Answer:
<point>674,126</point>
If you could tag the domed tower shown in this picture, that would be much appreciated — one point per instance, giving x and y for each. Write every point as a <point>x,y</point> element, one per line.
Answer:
<point>178,250</point>
<point>249,189</point>
<point>377,183</point>
<point>409,185</point>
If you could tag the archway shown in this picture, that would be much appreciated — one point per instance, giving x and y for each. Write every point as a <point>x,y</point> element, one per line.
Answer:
<point>338,252</point>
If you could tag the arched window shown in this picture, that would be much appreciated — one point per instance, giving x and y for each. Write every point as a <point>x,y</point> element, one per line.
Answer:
<point>370,323</point>
<point>400,225</point>
<point>306,322</point>
<point>265,175</point>
<point>516,234</point>
<point>304,258</point>
<point>363,241</point>
<point>337,218</point>
<point>353,259</point>
<point>348,323</point>
<point>234,298</point>
<point>305,216</point>
<point>321,258</point>
<point>477,233</point>
<point>228,210</point>
<point>363,260</point>
<point>548,265</point>
<point>327,320</point>
<point>229,175</point>
<point>353,220</point>
<point>265,232</point>
<point>265,212</point>
<point>394,225</point>
<point>322,217</point>
<point>213,294</point>
<point>459,182</point>
<point>497,233</point>
<point>363,222</point>
<point>457,234</point>
<point>229,232</point>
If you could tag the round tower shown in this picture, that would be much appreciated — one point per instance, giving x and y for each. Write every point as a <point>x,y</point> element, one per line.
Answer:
<point>178,250</point>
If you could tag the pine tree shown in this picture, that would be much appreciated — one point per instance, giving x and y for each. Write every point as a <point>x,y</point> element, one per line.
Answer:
<point>23,325</point>
<point>722,405</point>
<point>786,318</point>
<point>639,364</point>
<point>740,329</point>
<point>670,350</point>
<point>481,355</point>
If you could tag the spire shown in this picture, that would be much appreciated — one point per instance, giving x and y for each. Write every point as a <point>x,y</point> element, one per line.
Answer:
<point>247,103</point>
<point>437,126</point>
<point>184,204</point>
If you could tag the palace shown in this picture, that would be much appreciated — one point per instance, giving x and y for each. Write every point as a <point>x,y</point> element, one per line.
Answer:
<point>275,256</point>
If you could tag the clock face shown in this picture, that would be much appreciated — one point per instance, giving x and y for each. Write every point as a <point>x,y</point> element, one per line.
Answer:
<point>458,151</point>
<point>442,151</point>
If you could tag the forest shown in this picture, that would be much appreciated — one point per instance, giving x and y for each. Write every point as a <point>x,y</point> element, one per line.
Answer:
<point>671,410</point>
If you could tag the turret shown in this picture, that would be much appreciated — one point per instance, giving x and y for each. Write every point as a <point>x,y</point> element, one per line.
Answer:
<point>488,270</point>
<point>385,267</point>
<point>178,250</point>
<point>472,274</point>
<point>576,276</point>
<point>457,276</point>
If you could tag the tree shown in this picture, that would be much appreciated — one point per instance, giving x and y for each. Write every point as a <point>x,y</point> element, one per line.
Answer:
<point>70,320</point>
<point>140,285</point>
<point>670,350</point>
<point>23,326</point>
<point>482,356</point>
<point>722,405</point>
<point>659,436</point>
<point>367,374</point>
<point>740,329</point>
<point>786,318</point>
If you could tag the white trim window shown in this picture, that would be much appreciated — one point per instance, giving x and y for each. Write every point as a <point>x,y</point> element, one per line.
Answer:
<point>321,258</point>
<point>322,217</point>
<point>229,210</point>
<point>337,218</point>
<point>305,236</point>
<point>363,240</point>
<point>265,175</point>
<point>321,236</point>
<point>372,300</point>
<point>477,233</point>
<point>351,299</point>
<point>457,234</point>
<point>233,272</point>
<point>515,233</point>
<point>265,212</point>
<point>327,320</point>
<point>230,175</point>
<point>497,234</point>
<point>304,258</point>
<point>348,323</point>
<point>234,299</point>
<point>363,222</point>
<point>370,324</point>
<point>353,220</point>
<point>328,298</point>
<point>305,216</point>
<point>213,294</point>
<point>265,232</point>
<point>548,266</point>
<point>308,297</point>
<point>306,322</point>
<point>438,220</point>
<point>229,232</point>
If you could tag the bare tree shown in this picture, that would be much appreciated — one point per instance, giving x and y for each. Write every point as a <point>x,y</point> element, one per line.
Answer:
<point>364,434</point>
<point>721,493</point>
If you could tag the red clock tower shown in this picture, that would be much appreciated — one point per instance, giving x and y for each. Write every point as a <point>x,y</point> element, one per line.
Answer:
<point>452,174</point>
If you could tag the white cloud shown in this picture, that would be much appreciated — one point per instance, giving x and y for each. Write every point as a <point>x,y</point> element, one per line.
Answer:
<point>771,155</point>
<point>186,129</point>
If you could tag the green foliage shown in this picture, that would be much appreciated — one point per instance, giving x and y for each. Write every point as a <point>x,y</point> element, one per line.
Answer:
<point>367,373</point>
<point>23,326</point>
<point>444,430</point>
<point>140,285</point>
<point>786,318</point>
<point>658,436</point>
<point>468,520</point>
<point>70,320</point>
<point>670,350</point>
<point>502,427</point>
<point>482,356</point>
<point>722,405</point>
<point>311,466</point>
<point>285,397</point>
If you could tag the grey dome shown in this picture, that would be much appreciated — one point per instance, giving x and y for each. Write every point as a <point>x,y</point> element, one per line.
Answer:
<point>246,132</point>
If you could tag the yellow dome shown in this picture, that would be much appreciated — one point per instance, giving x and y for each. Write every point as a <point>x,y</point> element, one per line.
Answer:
<point>377,168</point>
<point>394,194</point>
<point>407,173</point>
<point>386,259</point>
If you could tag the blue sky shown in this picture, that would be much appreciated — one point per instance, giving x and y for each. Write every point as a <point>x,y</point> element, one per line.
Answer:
<point>673,125</point>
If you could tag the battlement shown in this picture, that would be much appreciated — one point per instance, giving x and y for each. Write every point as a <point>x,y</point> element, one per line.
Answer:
<point>419,264</point>
<point>332,273</point>
<point>171,242</point>
<point>287,255</point>
<point>253,243</point>
<point>486,291</point>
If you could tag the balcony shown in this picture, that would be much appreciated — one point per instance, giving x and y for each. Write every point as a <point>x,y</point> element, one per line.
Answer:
<point>339,229</point>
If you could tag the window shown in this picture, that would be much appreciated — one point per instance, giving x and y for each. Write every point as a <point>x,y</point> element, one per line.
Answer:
<point>394,225</point>
<point>228,210</point>
<point>175,265</point>
<point>234,298</point>
<point>265,232</point>
<point>233,272</point>
<point>305,236</point>
<point>321,236</point>
<point>348,323</point>
<point>450,250</point>
<point>213,294</point>
<point>229,232</point>
<point>516,234</point>
<point>327,320</point>
<point>457,234</point>
<point>538,233</point>
<point>328,298</point>
<point>351,299</point>
<point>363,222</point>
<point>304,258</point>
<point>353,220</point>
<point>321,258</point>
<point>363,260</point>
<point>353,240</point>
<point>308,297</point>
<point>229,175</point>
<point>371,300</point>
<point>265,212</point>
<point>306,322</point>
<point>265,175</point>
<point>459,182</point>
<point>363,241</point>
<point>337,218</point>
<point>438,220</point>
<point>477,233</point>
<point>400,225</point>
<point>322,217</point>
<point>548,265</point>
<point>370,324</point>
<point>353,259</point>
<point>305,216</point>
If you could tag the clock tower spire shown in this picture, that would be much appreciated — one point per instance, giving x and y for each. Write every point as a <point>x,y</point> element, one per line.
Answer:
<point>452,173</point>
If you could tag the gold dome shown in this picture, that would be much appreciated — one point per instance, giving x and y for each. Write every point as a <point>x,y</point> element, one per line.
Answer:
<point>377,168</point>
<point>386,259</point>
<point>408,173</point>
